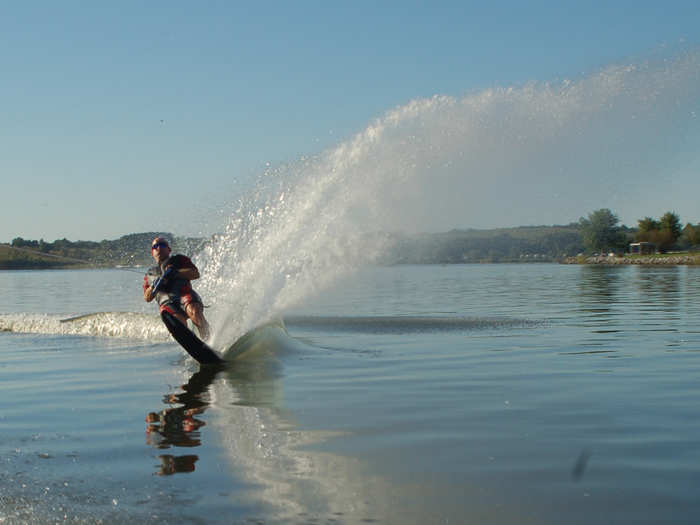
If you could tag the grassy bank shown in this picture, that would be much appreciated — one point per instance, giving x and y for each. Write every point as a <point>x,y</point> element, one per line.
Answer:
<point>13,259</point>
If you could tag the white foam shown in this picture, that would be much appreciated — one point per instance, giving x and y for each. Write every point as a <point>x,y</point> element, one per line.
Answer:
<point>103,324</point>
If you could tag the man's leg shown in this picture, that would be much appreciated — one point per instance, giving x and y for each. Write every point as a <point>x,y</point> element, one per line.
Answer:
<point>195,311</point>
<point>177,313</point>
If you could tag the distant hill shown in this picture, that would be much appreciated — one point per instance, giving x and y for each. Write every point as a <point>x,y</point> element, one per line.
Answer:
<point>521,244</point>
<point>129,250</point>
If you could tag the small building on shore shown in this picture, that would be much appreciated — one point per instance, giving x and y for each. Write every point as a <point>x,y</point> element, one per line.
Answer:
<point>642,248</point>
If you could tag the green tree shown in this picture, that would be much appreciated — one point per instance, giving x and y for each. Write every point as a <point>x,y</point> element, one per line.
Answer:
<point>601,232</point>
<point>670,225</point>
<point>648,229</point>
<point>664,233</point>
<point>18,242</point>
<point>690,236</point>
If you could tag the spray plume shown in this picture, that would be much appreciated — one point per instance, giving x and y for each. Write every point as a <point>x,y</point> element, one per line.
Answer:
<point>500,157</point>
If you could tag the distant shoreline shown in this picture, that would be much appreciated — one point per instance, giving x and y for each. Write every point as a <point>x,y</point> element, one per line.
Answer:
<point>537,244</point>
<point>651,260</point>
<point>674,259</point>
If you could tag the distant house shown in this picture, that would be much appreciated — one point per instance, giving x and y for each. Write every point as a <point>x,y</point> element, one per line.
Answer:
<point>642,248</point>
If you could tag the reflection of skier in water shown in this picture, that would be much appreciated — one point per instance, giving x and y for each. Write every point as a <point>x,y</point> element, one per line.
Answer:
<point>178,426</point>
<point>172,464</point>
<point>175,426</point>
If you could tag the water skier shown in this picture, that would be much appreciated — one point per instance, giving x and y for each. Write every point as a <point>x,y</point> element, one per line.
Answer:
<point>169,283</point>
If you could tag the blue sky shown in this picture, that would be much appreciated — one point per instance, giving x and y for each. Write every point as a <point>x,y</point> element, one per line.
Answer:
<point>140,116</point>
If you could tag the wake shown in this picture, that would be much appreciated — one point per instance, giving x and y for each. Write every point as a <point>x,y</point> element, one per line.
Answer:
<point>124,325</point>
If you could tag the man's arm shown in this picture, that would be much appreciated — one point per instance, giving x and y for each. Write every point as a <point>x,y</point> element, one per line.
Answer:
<point>187,273</point>
<point>184,268</point>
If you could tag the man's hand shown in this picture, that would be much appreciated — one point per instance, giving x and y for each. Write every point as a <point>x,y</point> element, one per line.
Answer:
<point>163,280</point>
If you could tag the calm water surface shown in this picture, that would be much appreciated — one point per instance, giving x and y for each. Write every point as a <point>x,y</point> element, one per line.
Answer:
<point>410,394</point>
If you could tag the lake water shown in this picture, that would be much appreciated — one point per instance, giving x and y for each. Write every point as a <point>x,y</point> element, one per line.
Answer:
<point>410,394</point>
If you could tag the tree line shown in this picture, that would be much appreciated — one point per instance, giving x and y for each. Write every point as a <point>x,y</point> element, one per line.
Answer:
<point>599,232</point>
<point>602,232</point>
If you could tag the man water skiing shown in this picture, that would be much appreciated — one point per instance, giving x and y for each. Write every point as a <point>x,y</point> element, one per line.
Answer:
<point>169,283</point>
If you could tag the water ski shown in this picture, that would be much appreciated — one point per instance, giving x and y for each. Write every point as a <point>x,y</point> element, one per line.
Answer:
<point>190,342</point>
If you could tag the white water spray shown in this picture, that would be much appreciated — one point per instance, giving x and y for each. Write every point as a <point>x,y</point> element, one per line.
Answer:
<point>501,157</point>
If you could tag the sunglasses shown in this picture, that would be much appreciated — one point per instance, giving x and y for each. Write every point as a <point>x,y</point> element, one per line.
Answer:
<point>159,244</point>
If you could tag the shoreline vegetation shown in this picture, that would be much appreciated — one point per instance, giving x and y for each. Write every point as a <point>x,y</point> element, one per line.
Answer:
<point>524,244</point>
